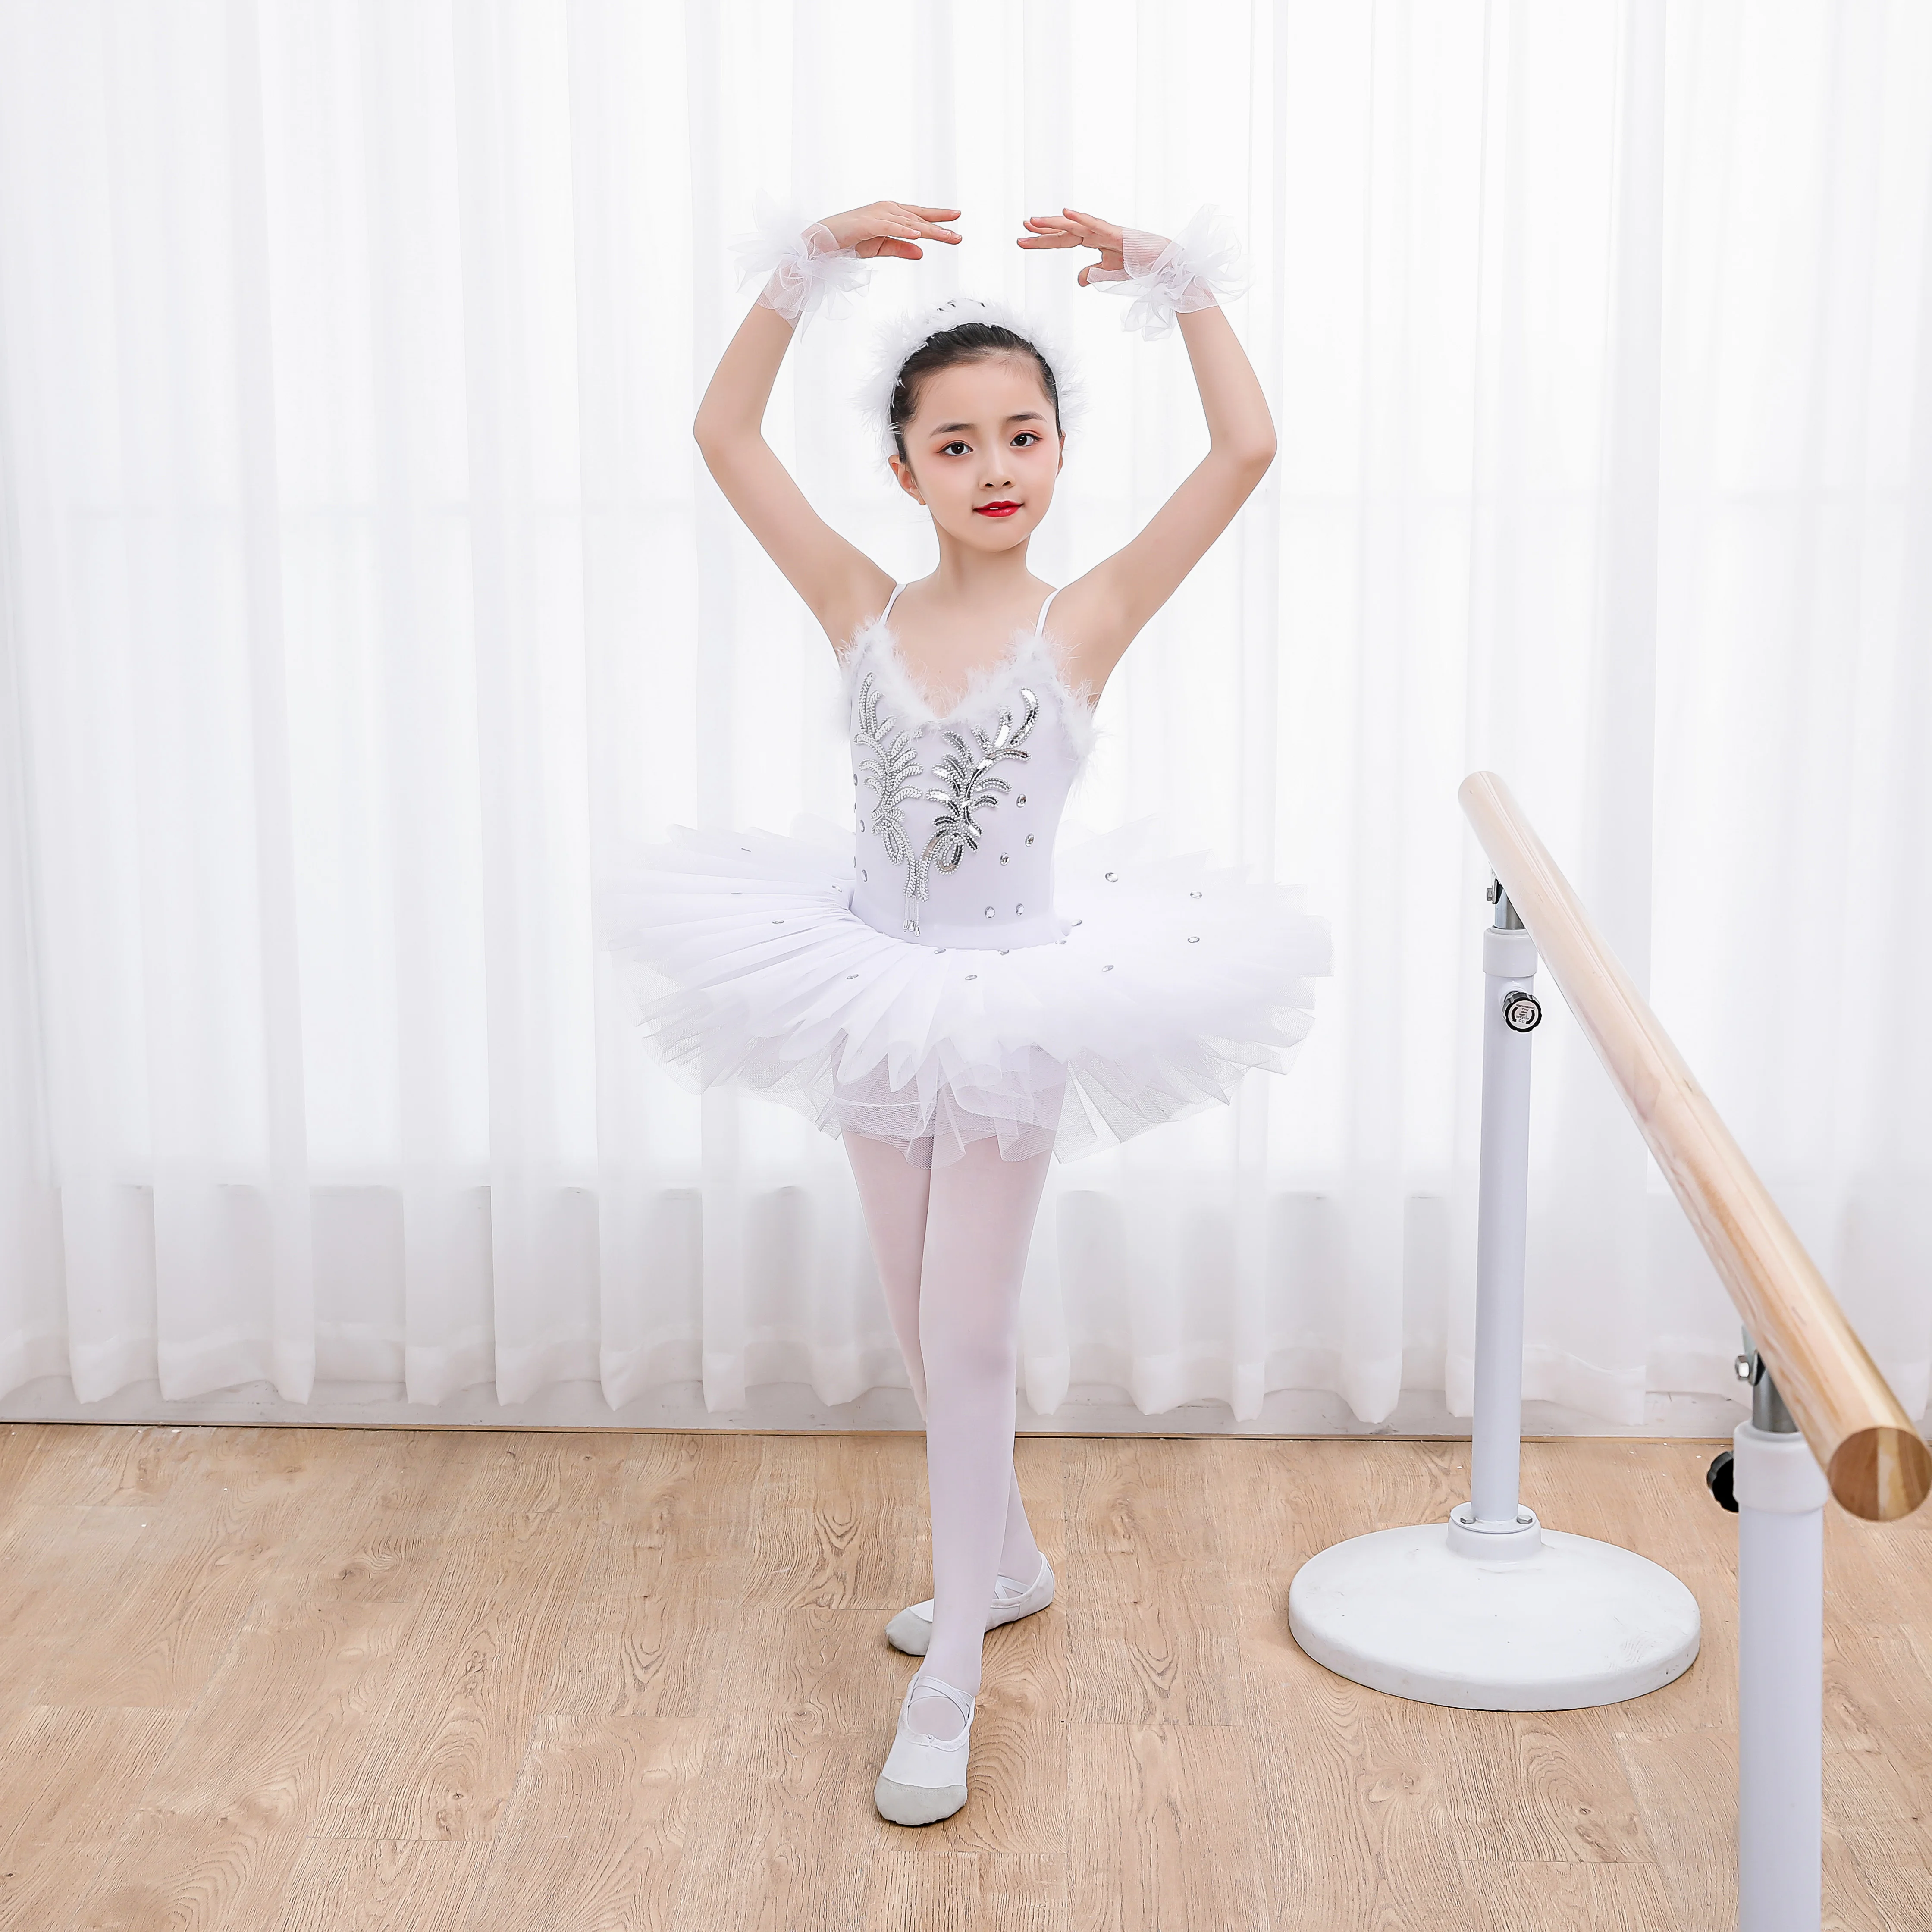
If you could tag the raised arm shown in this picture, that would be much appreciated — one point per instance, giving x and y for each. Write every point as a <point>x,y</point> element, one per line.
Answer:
<point>839,582</point>
<point>1105,609</point>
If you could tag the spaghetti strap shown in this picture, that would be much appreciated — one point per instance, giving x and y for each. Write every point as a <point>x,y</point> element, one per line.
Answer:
<point>1041,625</point>
<point>890,602</point>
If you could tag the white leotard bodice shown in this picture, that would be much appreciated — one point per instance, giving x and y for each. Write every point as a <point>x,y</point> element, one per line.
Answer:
<point>940,977</point>
<point>955,813</point>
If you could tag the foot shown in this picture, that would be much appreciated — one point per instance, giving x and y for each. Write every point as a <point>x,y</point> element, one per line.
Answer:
<point>911,1630</point>
<point>924,1779</point>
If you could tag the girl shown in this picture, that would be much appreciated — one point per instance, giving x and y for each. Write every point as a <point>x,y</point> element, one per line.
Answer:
<point>929,985</point>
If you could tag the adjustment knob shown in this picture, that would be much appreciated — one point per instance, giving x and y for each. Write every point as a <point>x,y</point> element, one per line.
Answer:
<point>1719,1478</point>
<point>1522,1013</point>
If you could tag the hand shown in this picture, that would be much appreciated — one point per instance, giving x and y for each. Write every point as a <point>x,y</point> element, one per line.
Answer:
<point>890,227</point>
<point>1070,228</point>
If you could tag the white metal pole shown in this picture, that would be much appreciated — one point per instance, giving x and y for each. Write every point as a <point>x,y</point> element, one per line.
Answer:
<point>1486,1611</point>
<point>1510,1015</point>
<point>1781,1493</point>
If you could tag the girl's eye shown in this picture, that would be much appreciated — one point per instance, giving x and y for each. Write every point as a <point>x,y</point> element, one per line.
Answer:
<point>1033,435</point>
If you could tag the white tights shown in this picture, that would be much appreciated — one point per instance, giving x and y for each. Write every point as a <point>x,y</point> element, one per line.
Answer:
<point>950,1245</point>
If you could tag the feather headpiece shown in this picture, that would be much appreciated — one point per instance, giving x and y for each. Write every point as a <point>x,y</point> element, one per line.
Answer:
<point>894,341</point>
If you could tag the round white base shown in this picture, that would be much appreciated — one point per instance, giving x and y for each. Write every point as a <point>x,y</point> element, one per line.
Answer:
<point>1571,1622</point>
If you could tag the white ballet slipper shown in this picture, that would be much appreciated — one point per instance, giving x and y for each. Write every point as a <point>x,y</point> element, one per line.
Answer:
<point>911,1630</point>
<point>924,1779</point>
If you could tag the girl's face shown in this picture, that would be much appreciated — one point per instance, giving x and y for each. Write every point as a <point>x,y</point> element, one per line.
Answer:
<point>983,435</point>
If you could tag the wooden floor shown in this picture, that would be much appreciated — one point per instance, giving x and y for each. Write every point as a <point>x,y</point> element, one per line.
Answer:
<point>310,1681</point>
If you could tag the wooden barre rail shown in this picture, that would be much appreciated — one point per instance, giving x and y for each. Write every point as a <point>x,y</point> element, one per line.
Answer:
<point>1878,1466</point>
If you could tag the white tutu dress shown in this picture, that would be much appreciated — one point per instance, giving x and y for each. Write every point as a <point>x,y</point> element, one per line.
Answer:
<point>937,970</point>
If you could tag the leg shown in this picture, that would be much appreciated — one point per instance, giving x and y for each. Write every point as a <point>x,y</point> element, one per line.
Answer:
<point>893,1193</point>
<point>979,1222</point>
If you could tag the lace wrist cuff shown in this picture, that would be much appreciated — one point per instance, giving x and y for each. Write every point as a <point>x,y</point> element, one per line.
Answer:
<point>1201,267</point>
<point>807,269</point>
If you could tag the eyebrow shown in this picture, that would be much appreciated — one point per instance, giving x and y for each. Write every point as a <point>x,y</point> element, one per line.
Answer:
<point>1018,416</point>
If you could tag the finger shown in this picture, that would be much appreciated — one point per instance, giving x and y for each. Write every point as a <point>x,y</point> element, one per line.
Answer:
<point>1094,224</point>
<point>913,216</point>
<point>932,214</point>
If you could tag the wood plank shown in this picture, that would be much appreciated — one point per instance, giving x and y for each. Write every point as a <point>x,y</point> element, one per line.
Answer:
<point>215,1538</point>
<point>365,1884</point>
<point>1541,1788</point>
<point>1589,1896</point>
<point>62,1563</point>
<point>1359,1790</point>
<point>39,1882</point>
<point>223,1821</point>
<point>456,1718</point>
<point>1686,1791</point>
<point>71,1777</point>
<point>671,1552</point>
<point>134,1467</point>
<point>595,1836</point>
<point>1153,1637</point>
<point>1143,1801</point>
<point>936,1889</point>
<point>836,1522</point>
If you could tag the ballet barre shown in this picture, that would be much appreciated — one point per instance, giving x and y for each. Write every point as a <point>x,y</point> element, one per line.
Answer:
<point>1491,1611</point>
<point>1878,1466</point>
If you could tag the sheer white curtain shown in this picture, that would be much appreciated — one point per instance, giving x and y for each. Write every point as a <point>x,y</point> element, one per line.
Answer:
<point>362,589</point>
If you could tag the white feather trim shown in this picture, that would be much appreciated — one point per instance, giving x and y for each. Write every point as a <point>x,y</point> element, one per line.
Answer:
<point>894,341</point>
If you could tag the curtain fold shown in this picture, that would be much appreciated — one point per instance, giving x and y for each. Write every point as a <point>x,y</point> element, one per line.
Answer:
<point>361,594</point>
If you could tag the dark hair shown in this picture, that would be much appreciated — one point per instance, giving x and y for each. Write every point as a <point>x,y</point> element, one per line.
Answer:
<point>967,342</point>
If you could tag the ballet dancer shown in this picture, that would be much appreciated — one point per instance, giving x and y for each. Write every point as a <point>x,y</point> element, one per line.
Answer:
<point>935,984</point>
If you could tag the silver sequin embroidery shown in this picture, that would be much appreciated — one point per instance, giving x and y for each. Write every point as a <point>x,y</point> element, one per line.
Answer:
<point>890,771</point>
<point>970,788</point>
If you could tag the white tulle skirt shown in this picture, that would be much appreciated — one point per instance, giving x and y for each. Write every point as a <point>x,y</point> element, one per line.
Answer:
<point>1173,979</point>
